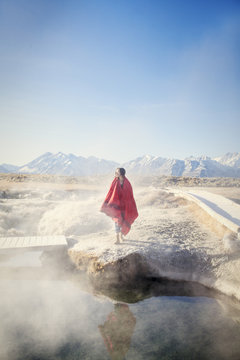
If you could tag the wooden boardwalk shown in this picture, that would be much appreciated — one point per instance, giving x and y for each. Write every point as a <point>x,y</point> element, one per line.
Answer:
<point>32,242</point>
<point>225,211</point>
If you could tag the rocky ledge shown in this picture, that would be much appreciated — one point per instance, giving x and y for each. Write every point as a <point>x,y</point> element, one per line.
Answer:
<point>169,241</point>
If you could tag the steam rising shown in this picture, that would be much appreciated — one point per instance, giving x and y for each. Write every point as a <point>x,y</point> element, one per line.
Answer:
<point>41,316</point>
<point>51,213</point>
<point>55,319</point>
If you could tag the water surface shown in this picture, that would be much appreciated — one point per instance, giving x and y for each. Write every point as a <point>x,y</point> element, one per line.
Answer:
<point>58,318</point>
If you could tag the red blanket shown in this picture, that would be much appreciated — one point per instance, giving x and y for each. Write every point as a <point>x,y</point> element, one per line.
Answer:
<point>120,204</point>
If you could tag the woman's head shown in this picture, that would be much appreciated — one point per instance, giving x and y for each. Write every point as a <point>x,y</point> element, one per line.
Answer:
<point>120,172</point>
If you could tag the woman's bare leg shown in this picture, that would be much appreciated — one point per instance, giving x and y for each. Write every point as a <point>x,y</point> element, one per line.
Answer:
<point>117,239</point>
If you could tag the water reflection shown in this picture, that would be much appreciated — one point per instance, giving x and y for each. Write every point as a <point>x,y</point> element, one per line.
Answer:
<point>117,331</point>
<point>53,316</point>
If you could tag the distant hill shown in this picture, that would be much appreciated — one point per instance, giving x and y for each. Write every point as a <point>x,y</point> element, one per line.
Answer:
<point>72,165</point>
<point>7,168</point>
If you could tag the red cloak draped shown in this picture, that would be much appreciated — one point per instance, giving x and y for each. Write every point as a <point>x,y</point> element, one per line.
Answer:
<point>120,204</point>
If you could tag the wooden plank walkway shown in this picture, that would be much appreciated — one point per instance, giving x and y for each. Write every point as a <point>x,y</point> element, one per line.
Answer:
<point>225,211</point>
<point>32,242</point>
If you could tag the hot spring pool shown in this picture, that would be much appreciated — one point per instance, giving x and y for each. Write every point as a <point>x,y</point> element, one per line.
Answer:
<point>57,319</point>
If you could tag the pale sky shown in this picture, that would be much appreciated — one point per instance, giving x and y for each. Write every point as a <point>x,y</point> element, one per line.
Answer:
<point>119,79</point>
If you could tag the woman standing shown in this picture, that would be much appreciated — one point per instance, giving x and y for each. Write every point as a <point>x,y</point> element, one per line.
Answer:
<point>120,204</point>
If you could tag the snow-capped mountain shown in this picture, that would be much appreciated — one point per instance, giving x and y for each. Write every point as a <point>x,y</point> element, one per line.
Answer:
<point>72,165</point>
<point>195,167</point>
<point>146,164</point>
<point>230,159</point>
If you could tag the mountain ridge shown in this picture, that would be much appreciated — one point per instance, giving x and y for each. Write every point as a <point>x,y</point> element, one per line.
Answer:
<point>227,165</point>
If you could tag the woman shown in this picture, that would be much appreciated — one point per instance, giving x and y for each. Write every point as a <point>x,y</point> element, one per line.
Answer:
<point>120,204</point>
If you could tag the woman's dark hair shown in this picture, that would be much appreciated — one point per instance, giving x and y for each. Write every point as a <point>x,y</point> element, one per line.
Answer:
<point>122,171</point>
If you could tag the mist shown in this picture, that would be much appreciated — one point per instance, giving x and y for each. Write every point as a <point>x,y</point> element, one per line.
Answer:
<point>39,212</point>
<point>58,319</point>
<point>38,317</point>
<point>51,212</point>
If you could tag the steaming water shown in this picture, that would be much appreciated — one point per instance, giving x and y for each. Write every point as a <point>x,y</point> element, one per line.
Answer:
<point>56,319</point>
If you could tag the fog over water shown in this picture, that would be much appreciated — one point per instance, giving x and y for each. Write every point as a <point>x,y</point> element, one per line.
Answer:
<point>57,319</point>
<point>39,316</point>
